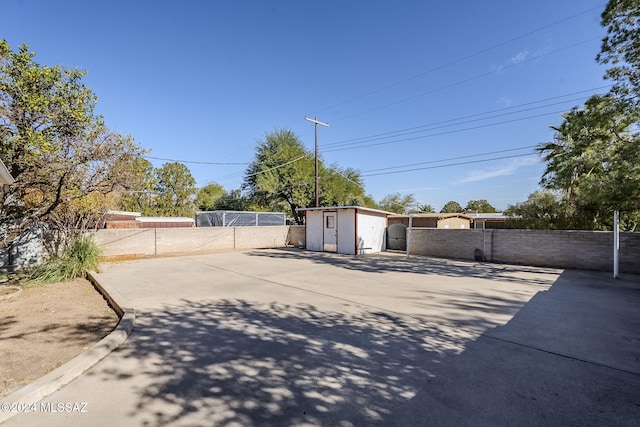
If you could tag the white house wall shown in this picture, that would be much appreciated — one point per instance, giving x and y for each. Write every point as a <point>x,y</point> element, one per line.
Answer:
<point>314,226</point>
<point>371,233</point>
<point>346,231</point>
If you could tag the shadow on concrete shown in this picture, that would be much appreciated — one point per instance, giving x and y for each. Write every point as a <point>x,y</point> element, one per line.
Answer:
<point>386,262</point>
<point>570,356</point>
<point>232,362</point>
<point>466,309</point>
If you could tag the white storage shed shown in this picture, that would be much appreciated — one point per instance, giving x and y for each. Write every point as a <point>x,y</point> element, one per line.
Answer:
<point>349,230</point>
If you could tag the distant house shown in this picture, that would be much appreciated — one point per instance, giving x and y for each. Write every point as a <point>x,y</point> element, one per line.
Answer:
<point>123,219</point>
<point>120,219</point>
<point>165,222</point>
<point>488,220</point>
<point>433,220</point>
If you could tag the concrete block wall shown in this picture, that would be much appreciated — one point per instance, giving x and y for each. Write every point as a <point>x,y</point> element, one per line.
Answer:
<point>120,242</point>
<point>449,243</point>
<point>569,249</point>
<point>164,241</point>
<point>589,250</point>
<point>261,237</point>
<point>193,240</point>
<point>297,235</point>
<point>629,252</point>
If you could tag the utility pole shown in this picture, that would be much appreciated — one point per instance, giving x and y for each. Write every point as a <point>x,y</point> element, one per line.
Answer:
<point>616,243</point>
<point>316,123</point>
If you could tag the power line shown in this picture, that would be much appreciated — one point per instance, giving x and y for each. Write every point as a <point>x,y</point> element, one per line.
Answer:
<point>194,161</point>
<point>449,165</point>
<point>231,177</point>
<point>377,171</point>
<point>453,124</point>
<point>446,133</point>
<point>429,125</point>
<point>365,143</point>
<point>267,170</point>
<point>453,158</point>
<point>467,80</point>
<point>412,130</point>
<point>415,164</point>
<point>462,59</point>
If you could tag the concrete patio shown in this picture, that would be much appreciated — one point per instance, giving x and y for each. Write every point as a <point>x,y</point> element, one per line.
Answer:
<point>289,337</point>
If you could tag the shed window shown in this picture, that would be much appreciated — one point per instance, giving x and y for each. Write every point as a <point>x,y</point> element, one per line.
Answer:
<point>330,222</point>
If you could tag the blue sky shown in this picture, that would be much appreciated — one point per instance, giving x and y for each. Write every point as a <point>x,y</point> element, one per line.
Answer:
<point>415,92</point>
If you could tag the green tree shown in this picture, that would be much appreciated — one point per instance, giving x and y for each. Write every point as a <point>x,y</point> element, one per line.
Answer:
<point>341,187</point>
<point>369,202</point>
<point>426,208</point>
<point>621,48</point>
<point>397,203</point>
<point>451,207</point>
<point>234,200</point>
<point>595,161</point>
<point>543,210</point>
<point>57,149</point>
<point>282,177</point>
<point>141,196</point>
<point>175,188</point>
<point>208,196</point>
<point>481,206</point>
<point>42,109</point>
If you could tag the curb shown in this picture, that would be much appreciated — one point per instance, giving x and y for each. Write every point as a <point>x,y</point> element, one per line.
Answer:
<point>61,376</point>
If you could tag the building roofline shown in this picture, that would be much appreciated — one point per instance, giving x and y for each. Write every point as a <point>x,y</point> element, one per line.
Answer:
<point>432,215</point>
<point>334,208</point>
<point>164,219</point>
<point>247,212</point>
<point>127,213</point>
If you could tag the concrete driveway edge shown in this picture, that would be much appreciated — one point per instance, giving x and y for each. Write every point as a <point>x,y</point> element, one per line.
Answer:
<point>59,377</point>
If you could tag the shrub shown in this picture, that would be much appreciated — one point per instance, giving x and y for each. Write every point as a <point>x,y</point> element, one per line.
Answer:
<point>80,256</point>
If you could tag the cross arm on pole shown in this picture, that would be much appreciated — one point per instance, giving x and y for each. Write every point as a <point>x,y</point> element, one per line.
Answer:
<point>318,122</point>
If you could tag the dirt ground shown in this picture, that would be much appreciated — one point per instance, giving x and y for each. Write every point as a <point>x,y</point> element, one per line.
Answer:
<point>44,326</point>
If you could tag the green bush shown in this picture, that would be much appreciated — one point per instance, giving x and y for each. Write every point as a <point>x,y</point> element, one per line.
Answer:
<point>80,256</point>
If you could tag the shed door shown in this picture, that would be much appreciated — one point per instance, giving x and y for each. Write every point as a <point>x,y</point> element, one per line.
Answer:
<point>330,232</point>
<point>397,237</point>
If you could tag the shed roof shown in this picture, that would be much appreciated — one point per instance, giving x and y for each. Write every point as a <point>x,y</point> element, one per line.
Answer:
<point>334,208</point>
<point>496,216</point>
<point>432,215</point>
<point>164,219</point>
<point>123,213</point>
